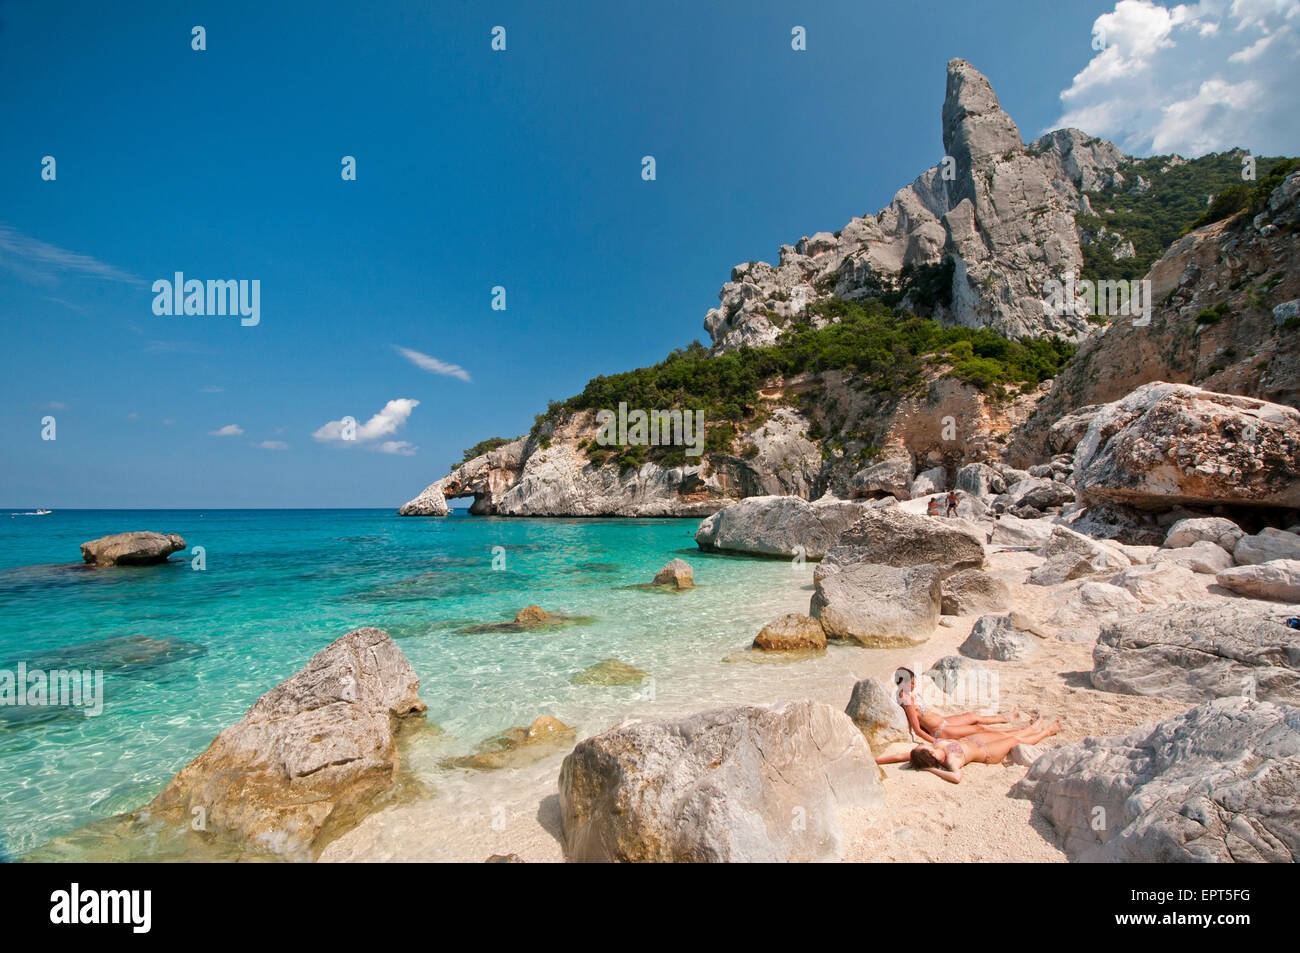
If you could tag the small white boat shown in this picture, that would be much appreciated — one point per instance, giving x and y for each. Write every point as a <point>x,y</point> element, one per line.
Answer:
<point>44,512</point>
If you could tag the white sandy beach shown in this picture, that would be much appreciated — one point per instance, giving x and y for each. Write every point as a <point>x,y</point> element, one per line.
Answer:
<point>463,815</point>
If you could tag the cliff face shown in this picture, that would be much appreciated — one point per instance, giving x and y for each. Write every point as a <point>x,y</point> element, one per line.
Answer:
<point>990,224</point>
<point>1224,317</point>
<point>549,473</point>
<point>972,241</point>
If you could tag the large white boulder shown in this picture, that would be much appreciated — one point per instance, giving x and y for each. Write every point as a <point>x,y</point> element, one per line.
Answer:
<point>1277,579</point>
<point>1214,529</point>
<point>1214,784</point>
<point>890,536</point>
<point>1001,637</point>
<point>1193,652</point>
<point>878,606</point>
<point>1166,444</point>
<point>777,526</point>
<point>1161,584</point>
<point>1093,604</point>
<point>1265,546</point>
<point>747,784</point>
<point>1202,556</point>
<point>307,760</point>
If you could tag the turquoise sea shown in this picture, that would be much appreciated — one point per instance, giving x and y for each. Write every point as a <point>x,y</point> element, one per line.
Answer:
<point>186,652</point>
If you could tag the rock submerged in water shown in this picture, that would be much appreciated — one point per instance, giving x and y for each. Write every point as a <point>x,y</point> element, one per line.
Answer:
<point>677,573</point>
<point>127,654</point>
<point>131,549</point>
<point>611,671</point>
<point>1191,653</point>
<point>516,747</point>
<point>718,786</point>
<point>792,632</point>
<point>526,619</point>
<point>1214,784</point>
<point>308,760</point>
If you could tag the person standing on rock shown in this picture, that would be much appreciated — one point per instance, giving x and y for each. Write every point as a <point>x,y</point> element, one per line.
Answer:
<point>952,502</point>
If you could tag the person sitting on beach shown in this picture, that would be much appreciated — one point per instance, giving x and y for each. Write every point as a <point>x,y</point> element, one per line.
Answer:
<point>932,508</point>
<point>928,724</point>
<point>952,503</point>
<point>947,758</point>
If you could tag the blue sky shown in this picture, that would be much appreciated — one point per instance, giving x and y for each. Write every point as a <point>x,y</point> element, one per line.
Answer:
<point>474,169</point>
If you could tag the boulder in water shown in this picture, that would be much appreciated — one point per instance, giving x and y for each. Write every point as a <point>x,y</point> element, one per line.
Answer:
<point>131,549</point>
<point>308,760</point>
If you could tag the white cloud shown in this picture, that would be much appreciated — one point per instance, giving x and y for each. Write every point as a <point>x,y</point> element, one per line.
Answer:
<point>432,364</point>
<point>272,445</point>
<point>1253,51</point>
<point>386,423</point>
<point>229,430</point>
<point>41,262</point>
<point>211,389</point>
<point>1191,78</point>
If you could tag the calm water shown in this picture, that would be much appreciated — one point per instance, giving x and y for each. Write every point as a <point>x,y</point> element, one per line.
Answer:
<point>280,585</point>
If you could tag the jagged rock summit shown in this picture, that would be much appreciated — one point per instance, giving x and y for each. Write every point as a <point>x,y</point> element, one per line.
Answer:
<point>991,223</point>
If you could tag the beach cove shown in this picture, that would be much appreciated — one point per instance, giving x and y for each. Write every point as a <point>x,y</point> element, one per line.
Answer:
<point>281,585</point>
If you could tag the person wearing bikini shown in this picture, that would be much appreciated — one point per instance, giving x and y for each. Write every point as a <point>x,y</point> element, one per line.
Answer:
<point>947,758</point>
<point>928,725</point>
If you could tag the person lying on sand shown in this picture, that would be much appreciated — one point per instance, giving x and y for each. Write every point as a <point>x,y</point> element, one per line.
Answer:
<point>947,758</point>
<point>928,724</point>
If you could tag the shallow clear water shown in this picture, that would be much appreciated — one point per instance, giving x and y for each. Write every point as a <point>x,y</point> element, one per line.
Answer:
<point>281,584</point>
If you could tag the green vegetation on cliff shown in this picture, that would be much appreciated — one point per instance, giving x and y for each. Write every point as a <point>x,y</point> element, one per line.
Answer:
<point>484,446</point>
<point>883,351</point>
<point>1172,202</point>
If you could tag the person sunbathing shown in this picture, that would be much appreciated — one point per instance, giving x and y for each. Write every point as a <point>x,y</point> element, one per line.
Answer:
<point>928,725</point>
<point>947,758</point>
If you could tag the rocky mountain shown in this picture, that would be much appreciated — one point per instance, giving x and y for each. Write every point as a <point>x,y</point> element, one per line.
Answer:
<point>972,241</point>
<point>1225,316</point>
<point>821,379</point>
